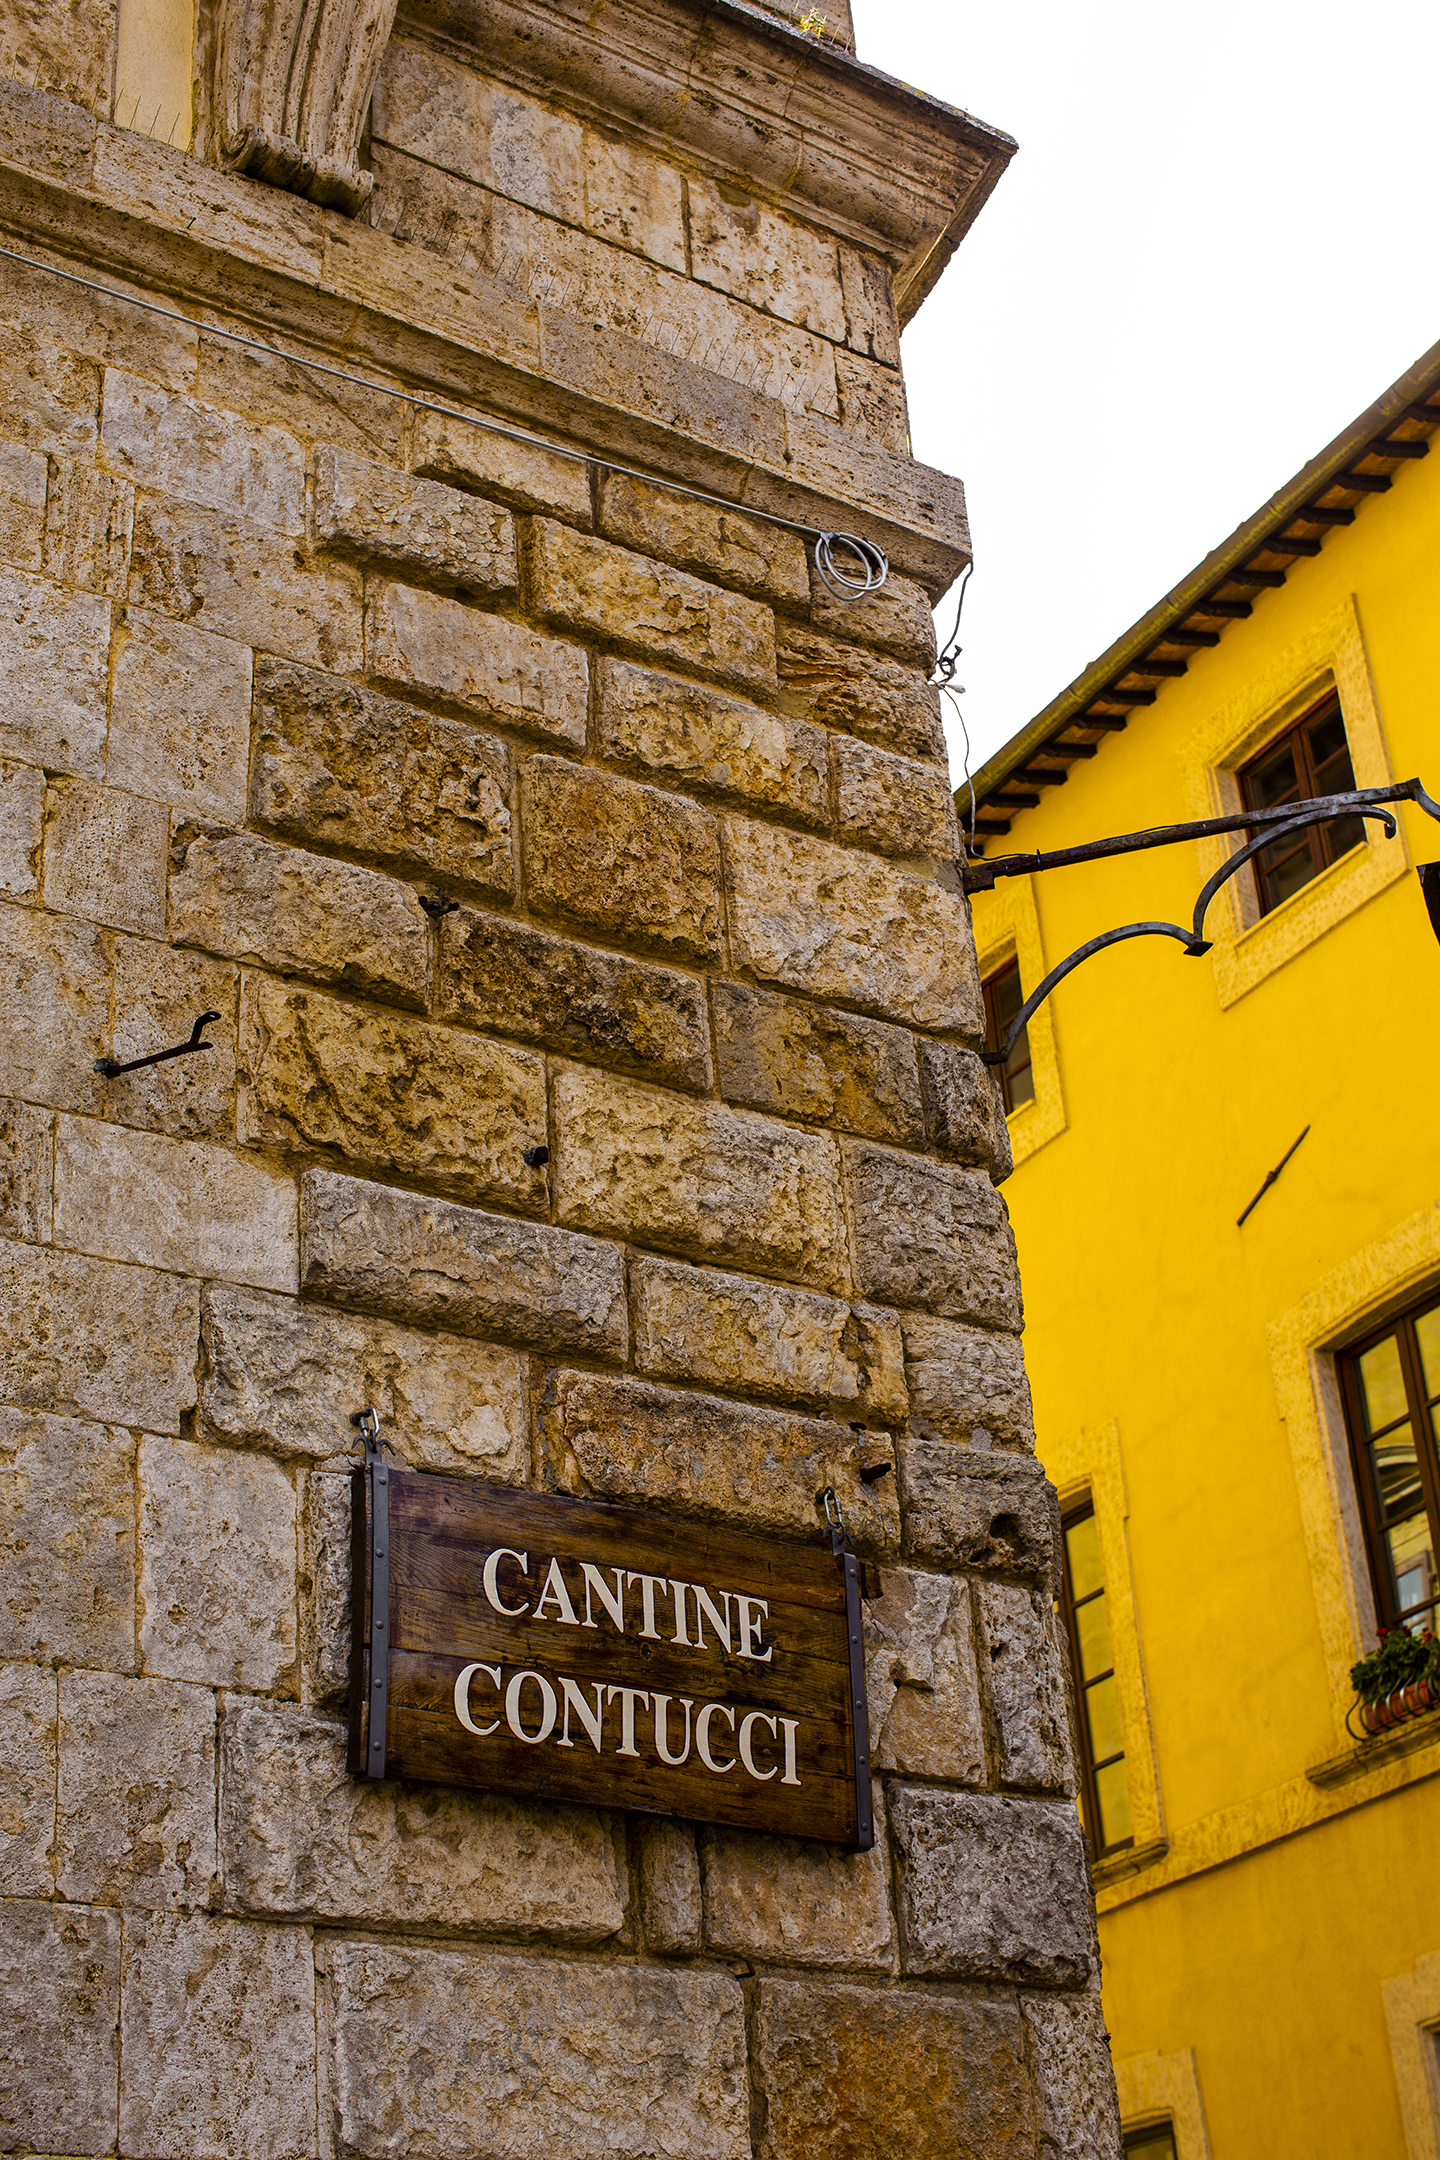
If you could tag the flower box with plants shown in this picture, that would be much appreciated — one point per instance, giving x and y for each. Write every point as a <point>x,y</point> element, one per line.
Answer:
<point>1398,1681</point>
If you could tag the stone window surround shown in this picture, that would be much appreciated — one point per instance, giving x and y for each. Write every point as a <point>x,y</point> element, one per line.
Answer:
<point>1154,2087</point>
<point>1412,2012</point>
<point>1008,928</point>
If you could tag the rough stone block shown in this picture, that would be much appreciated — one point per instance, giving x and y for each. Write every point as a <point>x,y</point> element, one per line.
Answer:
<point>24,482</point>
<point>59,976</point>
<point>105,856</point>
<point>89,528</point>
<point>633,199</point>
<point>635,1162</point>
<point>967,1509</point>
<point>608,1438</point>
<point>897,619</point>
<point>870,306</point>
<point>159,990</point>
<point>902,806</point>
<point>670,1909</point>
<point>176,446</point>
<point>28,1722</point>
<point>609,592</point>
<point>967,1385</point>
<point>217,2032</point>
<point>26,1156</point>
<point>218,1567</point>
<point>22,813</point>
<point>711,538</point>
<point>518,980</point>
<point>992,1889</point>
<point>447,1108</point>
<point>367,775</point>
<point>433,532</point>
<point>851,2070</point>
<point>873,404</point>
<point>325,1589</point>
<point>54,653</point>
<point>703,738</point>
<point>634,863</point>
<point>765,258</point>
<point>776,1053</point>
<point>184,1205</point>
<point>180,716</point>
<point>929,1235</point>
<point>525,475</point>
<point>752,1337</point>
<point>798,1903</point>
<point>923,1693</point>
<point>300,914</point>
<point>67,1541</point>
<point>59,1999</point>
<point>135,1822</point>
<point>245,583</point>
<point>412,1258</point>
<point>504,671</point>
<point>811,916</point>
<point>298,1835</point>
<point>288,1378</point>
<point>465,122</point>
<point>964,1110</point>
<point>837,686</point>
<point>1024,1665</point>
<point>1070,2048</point>
<point>630,2060</point>
<point>278,391</point>
<point>82,1335</point>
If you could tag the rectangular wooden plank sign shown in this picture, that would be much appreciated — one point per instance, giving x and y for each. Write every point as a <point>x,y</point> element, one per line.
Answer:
<point>571,1651</point>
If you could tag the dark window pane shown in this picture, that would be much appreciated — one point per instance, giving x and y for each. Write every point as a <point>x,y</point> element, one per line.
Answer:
<point>1157,2142</point>
<point>1329,751</point>
<point>1389,1390</point>
<point>1311,759</point>
<point>1397,1473</point>
<point>1004,995</point>
<point>1275,779</point>
<point>1412,1563</point>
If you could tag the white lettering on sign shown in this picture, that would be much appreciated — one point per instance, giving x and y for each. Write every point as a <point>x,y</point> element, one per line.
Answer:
<point>691,1615</point>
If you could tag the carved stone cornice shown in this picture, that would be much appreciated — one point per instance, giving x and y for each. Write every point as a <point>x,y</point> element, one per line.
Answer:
<point>295,79</point>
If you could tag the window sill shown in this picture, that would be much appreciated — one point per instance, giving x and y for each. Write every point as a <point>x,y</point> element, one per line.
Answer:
<point>1118,1867</point>
<point>1410,1739</point>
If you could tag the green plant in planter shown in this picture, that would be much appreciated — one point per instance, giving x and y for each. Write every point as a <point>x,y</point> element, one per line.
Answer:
<point>1400,1659</point>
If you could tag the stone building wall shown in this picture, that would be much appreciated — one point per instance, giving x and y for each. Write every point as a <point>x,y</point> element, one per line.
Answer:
<point>592,1091</point>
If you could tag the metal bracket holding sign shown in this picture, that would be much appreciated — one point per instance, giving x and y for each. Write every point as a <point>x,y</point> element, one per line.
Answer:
<point>567,1650</point>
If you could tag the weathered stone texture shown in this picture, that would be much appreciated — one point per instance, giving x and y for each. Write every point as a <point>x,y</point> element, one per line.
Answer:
<point>902,806</point>
<point>135,1823</point>
<point>81,1335</point>
<point>763,560</point>
<point>618,1439</point>
<point>634,2061</point>
<point>992,1889</point>
<point>159,990</point>
<point>347,769</point>
<point>433,531</point>
<point>632,862</point>
<point>28,1727</point>
<point>898,618</point>
<point>873,402</point>
<point>923,1694</point>
<point>288,1378</point>
<point>105,856</point>
<point>795,1902</point>
<point>59,2000</point>
<point>754,1337</point>
<point>836,686</point>
<point>300,914</point>
<point>218,1566</point>
<point>58,972</point>
<point>242,582</point>
<point>177,1204</point>
<point>500,669</point>
<point>635,1162</point>
<point>765,258</point>
<point>1070,2048</point>
<point>53,654</point>
<point>851,2071</point>
<point>706,739</point>
<point>67,1541</point>
<point>966,1509</point>
<point>22,810</point>
<point>24,483</point>
<point>1024,1666</point>
<point>809,1061</point>
<point>447,1108</point>
<point>812,916</point>
<point>89,527</point>
<point>26,1156</point>
<point>964,1111</point>
<point>671,1913</point>
<point>176,446</point>
<point>299,1836</point>
<point>412,1258</point>
<point>967,1385</point>
<point>218,2040</point>
<point>585,584</point>
<point>519,980</point>
<point>525,475</point>
<point>927,1235</point>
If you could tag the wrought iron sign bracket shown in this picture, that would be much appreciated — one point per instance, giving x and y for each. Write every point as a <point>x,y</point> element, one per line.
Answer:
<point>374,1653</point>
<point>838,1539</point>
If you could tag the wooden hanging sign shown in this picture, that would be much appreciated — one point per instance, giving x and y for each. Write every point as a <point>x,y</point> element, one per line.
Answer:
<point>570,1651</point>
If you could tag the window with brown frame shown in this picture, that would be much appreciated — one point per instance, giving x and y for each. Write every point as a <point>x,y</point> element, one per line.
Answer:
<point>1104,1780</point>
<point>1155,2142</point>
<point>1310,759</point>
<point>1003,999</point>
<point>1391,1386</point>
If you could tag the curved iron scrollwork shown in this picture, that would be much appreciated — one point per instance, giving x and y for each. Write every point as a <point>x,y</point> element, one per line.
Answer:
<point>1273,824</point>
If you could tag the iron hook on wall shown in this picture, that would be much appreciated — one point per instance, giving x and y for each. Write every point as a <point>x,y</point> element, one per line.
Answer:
<point>112,1071</point>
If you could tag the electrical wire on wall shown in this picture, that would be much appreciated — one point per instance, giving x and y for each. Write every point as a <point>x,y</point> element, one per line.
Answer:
<point>944,681</point>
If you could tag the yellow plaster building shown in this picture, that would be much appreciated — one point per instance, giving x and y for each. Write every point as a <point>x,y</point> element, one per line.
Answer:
<point>1239,1416</point>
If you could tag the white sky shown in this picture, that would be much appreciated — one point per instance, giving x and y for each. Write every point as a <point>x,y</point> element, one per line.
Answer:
<point>1218,242</point>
